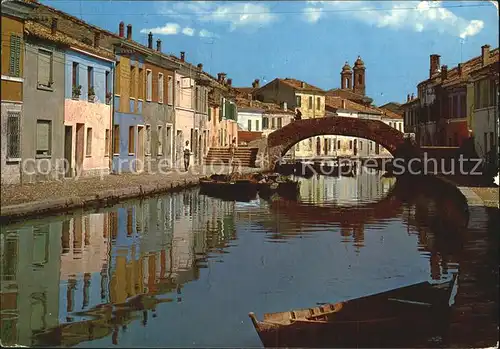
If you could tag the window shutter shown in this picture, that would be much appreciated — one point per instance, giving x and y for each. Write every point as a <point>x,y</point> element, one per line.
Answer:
<point>13,135</point>
<point>15,55</point>
<point>43,137</point>
<point>44,62</point>
<point>209,113</point>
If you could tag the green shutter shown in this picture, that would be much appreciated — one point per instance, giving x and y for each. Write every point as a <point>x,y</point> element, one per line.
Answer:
<point>209,113</point>
<point>15,56</point>
<point>235,113</point>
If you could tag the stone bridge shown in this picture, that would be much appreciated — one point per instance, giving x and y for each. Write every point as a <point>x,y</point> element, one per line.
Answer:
<point>280,141</point>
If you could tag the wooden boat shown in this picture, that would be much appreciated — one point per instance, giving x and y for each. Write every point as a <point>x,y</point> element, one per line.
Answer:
<point>239,189</point>
<point>388,319</point>
<point>285,188</point>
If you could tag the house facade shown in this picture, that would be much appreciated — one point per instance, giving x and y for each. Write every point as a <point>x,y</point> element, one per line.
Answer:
<point>158,109</point>
<point>87,110</point>
<point>13,16</point>
<point>128,120</point>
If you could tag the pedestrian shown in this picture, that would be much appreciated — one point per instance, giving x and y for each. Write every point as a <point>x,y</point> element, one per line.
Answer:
<point>187,155</point>
<point>232,151</point>
<point>298,114</point>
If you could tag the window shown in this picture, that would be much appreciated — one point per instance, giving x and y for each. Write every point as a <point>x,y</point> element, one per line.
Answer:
<point>273,123</point>
<point>196,98</point>
<point>141,84</point>
<point>132,82</point>
<point>131,140</point>
<point>117,76</point>
<point>177,93</point>
<point>318,103</point>
<point>75,81</point>
<point>116,139</point>
<point>350,144</point>
<point>257,125</point>
<point>15,56</point>
<point>170,90</point>
<point>338,144</point>
<point>13,135</point>
<point>90,78</point>
<point>88,151</point>
<point>249,125</point>
<point>209,113</point>
<point>160,140</point>
<point>43,137</point>
<point>106,142</point>
<point>108,89</point>
<point>310,104</point>
<point>298,101</point>
<point>149,85</point>
<point>280,122</point>
<point>160,88</point>
<point>44,68</point>
<point>148,140</point>
<point>265,123</point>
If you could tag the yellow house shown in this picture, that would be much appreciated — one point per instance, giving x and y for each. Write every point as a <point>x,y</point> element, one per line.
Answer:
<point>301,97</point>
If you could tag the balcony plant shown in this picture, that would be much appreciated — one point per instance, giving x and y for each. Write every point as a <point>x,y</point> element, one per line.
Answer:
<point>108,97</point>
<point>77,91</point>
<point>91,94</point>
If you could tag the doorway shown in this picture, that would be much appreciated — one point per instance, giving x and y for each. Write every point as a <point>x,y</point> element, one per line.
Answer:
<point>79,147</point>
<point>68,142</point>
<point>140,149</point>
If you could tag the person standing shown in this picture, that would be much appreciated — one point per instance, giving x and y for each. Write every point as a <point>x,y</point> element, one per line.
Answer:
<point>232,151</point>
<point>187,155</point>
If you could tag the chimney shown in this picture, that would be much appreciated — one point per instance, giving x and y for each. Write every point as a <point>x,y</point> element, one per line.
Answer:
<point>444,72</point>
<point>229,82</point>
<point>53,28</point>
<point>129,31</point>
<point>257,83</point>
<point>285,106</point>
<point>97,39</point>
<point>408,97</point>
<point>218,76</point>
<point>183,56</point>
<point>223,78</point>
<point>485,54</point>
<point>343,104</point>
<point>158,45</point>
<point>249,96</point>
<point>200,66</point>
<point>412,97</point>
<point>303,84</point>
<point>122,29</point>
<point>150,40</point>
<point>434,64</point>
<point>460,69</point>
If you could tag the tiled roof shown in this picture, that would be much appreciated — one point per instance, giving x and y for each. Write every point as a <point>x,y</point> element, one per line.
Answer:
<point>297,84</point>
<point>453,76</point>
<point>336,103</point>
<point>244,103</point>
<point>348,94</point>
<point>386,113</point>
<point>41,31</point>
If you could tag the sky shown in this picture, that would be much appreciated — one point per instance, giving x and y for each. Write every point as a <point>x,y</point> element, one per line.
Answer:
<point>307,40</point>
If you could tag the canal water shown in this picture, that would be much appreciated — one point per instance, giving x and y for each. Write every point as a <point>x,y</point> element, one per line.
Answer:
<point>184,270</point>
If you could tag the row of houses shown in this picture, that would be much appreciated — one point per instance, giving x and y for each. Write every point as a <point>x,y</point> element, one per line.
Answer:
<point>79,100</point>
<point>262,110</point>
<point>458,105</point>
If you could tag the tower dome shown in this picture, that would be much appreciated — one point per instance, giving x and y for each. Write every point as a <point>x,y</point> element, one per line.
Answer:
<point>346,67</point>
<point>359,63</point>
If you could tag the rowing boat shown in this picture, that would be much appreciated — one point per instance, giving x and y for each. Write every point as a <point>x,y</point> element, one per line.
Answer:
<point>394,318</point>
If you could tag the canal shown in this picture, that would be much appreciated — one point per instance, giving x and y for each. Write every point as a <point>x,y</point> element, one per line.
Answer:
<point>184,270</point>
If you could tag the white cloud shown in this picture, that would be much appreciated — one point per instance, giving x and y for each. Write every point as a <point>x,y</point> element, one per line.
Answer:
<point>312,14</point>
<point>188,31</point>
<point>167,29</point>
<point>413,15</point>
<point>170,29</point>
<point>236,14</point>
<point>207,34</point>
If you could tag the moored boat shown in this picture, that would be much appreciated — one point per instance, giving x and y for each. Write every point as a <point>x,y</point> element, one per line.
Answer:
<point>394,318</point>
<point>225,188</point>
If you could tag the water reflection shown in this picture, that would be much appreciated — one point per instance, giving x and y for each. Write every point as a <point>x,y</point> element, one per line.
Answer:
<point>101,277</point>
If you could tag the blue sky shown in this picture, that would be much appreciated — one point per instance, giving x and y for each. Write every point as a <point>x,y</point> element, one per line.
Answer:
<point>307,40</point>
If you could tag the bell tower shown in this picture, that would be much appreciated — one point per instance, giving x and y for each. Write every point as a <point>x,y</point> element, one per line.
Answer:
<point>359,77</point>
<point>346,77</point>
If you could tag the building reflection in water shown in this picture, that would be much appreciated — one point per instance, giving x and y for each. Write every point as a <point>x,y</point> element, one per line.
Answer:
<point>60,279</point>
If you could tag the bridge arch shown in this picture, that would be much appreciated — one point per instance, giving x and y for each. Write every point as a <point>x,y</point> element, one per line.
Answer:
<point>280,141</point>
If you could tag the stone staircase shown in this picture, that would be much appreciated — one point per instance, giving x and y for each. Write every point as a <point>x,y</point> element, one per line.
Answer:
<point>243,156</point>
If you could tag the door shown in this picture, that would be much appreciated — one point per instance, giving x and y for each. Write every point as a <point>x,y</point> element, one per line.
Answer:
<point>140,149</point>
<point>68,142</point>
<point>79,147</point>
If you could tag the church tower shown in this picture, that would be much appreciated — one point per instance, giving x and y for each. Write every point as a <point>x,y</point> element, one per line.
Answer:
<point>346,77</point>
<point>359,77</point>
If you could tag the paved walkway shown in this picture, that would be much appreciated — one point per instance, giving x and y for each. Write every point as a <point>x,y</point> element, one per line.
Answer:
<point>31,198</point>
<point>481,196</point>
